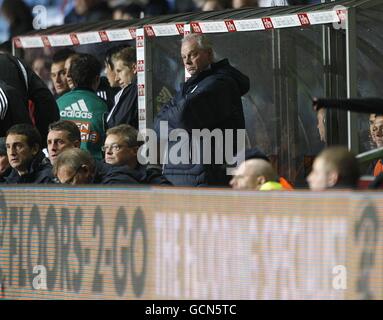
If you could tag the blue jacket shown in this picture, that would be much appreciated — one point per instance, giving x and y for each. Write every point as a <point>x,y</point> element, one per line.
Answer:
<point>211,100</point>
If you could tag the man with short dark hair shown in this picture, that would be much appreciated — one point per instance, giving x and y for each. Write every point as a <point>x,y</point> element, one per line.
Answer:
<point>28,162</point>
<point>334,167</point>
<point>58,72</point>
<point>62,135</point>
<point>83,106</point>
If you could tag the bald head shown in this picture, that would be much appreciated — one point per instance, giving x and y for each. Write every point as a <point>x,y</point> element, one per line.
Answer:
<point>252,174</point>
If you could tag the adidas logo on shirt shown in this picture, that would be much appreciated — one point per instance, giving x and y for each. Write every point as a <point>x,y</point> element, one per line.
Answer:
<point>77,110</point>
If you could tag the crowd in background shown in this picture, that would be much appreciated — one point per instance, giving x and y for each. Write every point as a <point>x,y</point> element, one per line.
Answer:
<point>18,17</point>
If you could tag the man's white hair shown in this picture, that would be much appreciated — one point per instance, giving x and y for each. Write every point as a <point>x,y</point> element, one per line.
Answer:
<point>202,41</point>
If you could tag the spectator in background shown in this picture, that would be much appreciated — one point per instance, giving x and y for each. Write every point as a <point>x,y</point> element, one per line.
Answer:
<point>362,105</point>
<point>5,168</point>
<point>112,87</point>
<point>109,65</point>
<point>256,174</point>
<point>238,4</point>
<point>19,17</point>
<point>82,105</point>
<point>88,11</point>
<point>126,108</point>
<point>272,3</point>
<point>212,5</point>
<point>67,65</point>
<point>376,132</point>
<point>28,162</point>
<point>58,71</point>
<point>199,4</point>
<point>177,6</point>
<point>321,125</point>
<point>334,167</point>
<point>156,8</point>
<point>41,66</point>
<point>30,90</point>
<point>128,12</point>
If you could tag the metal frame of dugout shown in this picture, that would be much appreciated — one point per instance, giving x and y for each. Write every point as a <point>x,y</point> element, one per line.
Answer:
<point>290,54</point>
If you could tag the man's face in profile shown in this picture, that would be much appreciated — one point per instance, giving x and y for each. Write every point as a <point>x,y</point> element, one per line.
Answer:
<point>376,129</point>
<point>58,77</point>
<point>320,178</point>
<point>321,116</point>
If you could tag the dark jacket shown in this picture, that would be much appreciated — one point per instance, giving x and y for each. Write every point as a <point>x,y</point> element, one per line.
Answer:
<point>150,174</point>
<point>5,174</point>
<point>30,87</point>
<point>108,174</point>
<point>106,92</point>
<point>13,109</point>
<point>126,110</point>
<point>40,171</point>
<point>211,100</point>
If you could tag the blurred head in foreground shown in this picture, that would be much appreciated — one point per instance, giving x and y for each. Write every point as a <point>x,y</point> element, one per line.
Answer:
<point>334,167</point>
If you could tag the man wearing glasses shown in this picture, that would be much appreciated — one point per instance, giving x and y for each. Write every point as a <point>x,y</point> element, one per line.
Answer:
<point>121,147</point>
<point>64,135</point>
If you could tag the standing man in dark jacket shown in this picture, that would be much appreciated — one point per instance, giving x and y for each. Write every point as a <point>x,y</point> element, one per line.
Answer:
<point>210,99</point>
<point>30,89</point>
<point>28,162</point>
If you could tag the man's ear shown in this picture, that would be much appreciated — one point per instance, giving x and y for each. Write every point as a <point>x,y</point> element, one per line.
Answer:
<point>77,144</point>
<point>96,82</point>
<point>332,179</point>
<point>134,68</point>
<point>261,180</point>
<point>35,149</point>
<point>211,55</point>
